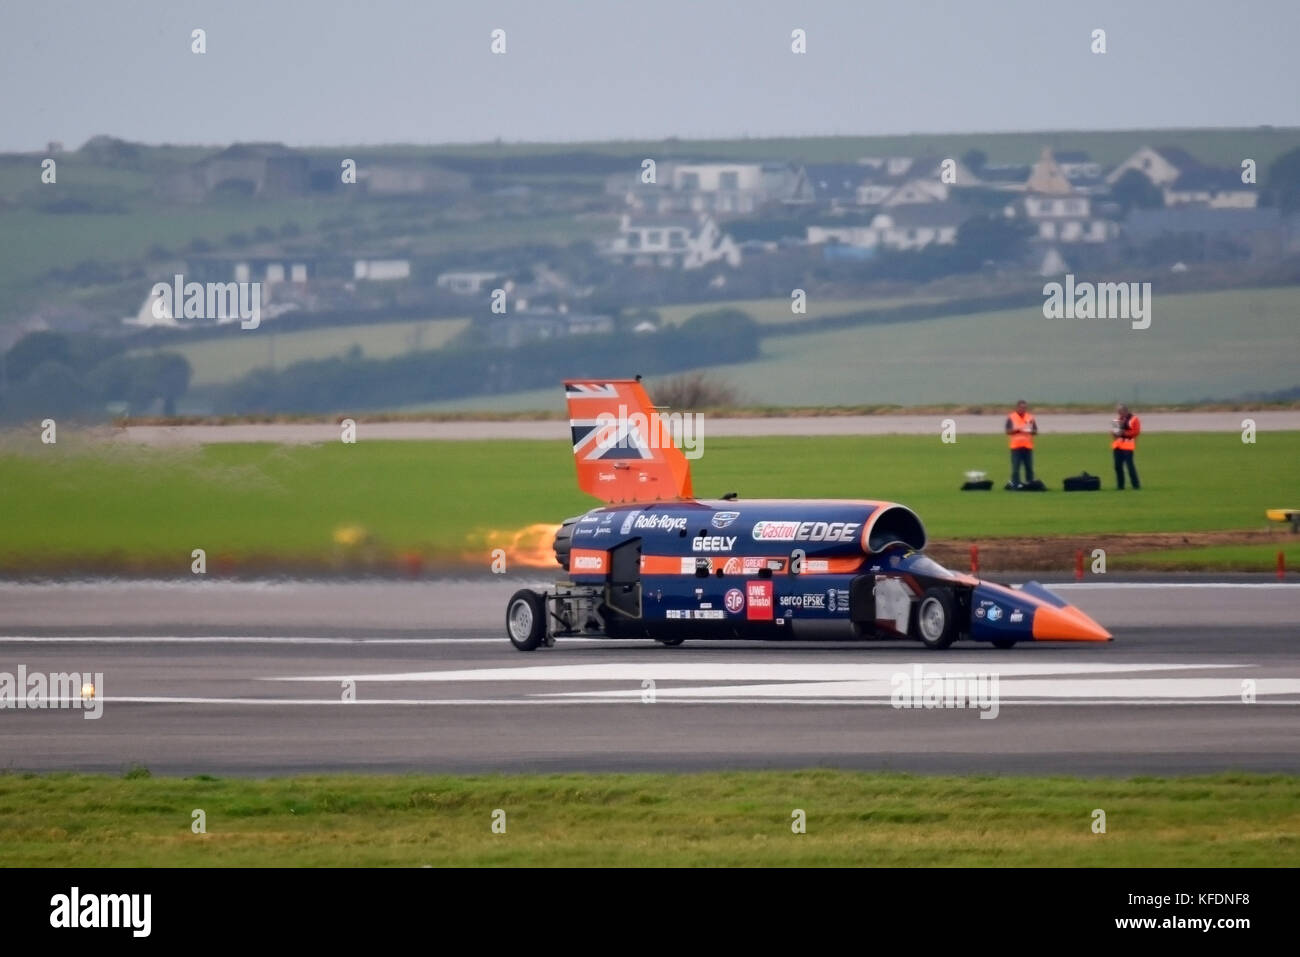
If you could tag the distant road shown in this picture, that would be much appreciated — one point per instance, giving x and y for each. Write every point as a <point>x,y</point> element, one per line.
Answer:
<point>555,429</point>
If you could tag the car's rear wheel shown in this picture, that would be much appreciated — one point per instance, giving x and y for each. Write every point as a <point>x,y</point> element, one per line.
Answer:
<point>526,619</point>
<point>936,618</point>
<point>670,642</point>
<point>1004,642</point>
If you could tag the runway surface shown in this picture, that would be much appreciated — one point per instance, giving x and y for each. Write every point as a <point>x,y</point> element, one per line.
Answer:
<point>714,427</point>
<point>254,678</point>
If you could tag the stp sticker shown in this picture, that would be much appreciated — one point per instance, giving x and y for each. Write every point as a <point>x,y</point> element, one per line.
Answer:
<point>759,596</point>
<point>735,601</point>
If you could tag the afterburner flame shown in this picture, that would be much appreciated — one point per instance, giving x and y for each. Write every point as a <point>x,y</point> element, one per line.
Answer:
<point>532,546</point>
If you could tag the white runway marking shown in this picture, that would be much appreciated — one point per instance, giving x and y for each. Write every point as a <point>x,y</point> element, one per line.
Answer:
<point>589,700</point>
<point>1117,689</point>
<point>794,682</point>
<point>713,671</point>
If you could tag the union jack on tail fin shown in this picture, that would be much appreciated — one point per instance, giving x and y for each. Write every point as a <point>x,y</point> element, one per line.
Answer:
<point>623,449</point>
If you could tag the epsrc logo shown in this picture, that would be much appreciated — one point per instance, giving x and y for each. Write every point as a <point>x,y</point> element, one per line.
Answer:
<point>816,600</point>
<point>806,531</point>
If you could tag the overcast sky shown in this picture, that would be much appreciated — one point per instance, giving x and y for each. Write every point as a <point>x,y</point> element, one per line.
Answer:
<point>421,71</point>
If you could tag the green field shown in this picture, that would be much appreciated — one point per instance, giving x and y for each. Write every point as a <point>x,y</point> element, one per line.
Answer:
<point>1220,147</point>
<point>1217,558</point>
<point>730,818</point>
<point>1202,345</point>
<point>1208,345</point>
<point>768,312</point>
<point>128,507</point>
<point>215,361</point>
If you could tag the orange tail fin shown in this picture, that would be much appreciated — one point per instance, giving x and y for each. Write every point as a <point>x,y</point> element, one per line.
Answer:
<point>624,450</point>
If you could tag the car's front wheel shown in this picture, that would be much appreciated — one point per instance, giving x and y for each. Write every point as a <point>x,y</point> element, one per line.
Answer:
<point>936,618</point>
<point>526,619</point>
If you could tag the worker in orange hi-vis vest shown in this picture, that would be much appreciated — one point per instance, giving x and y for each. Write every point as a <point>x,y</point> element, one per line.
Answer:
<point>1124,429</point>
<point>1022,427</point>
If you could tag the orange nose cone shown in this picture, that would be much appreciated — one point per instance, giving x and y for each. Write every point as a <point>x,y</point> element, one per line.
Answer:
<point>1066,624</point>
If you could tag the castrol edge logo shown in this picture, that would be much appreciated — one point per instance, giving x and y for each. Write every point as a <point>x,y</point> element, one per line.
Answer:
<point>806,531</point>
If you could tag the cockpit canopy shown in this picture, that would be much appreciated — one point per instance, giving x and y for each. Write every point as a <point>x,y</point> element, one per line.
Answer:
<point>896,525</point>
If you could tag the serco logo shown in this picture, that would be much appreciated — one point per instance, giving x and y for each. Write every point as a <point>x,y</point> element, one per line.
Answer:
<point>805,531</point>
<point>735,600</point>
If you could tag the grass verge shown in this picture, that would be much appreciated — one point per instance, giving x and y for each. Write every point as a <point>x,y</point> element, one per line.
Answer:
<point>730,818</point>
<point>107,506</point>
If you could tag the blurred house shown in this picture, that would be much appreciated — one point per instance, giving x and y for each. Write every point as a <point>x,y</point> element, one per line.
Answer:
<point>1058,212</point>
<point>716,188</point>
<point>465,283</point>
<point>1184,180</point>
<point>1063,219</point>
<point>897,228</point>
<point>252,169</point>
<point>381,270</point>
<point>835,185</point>
<point>547,289</point>
<point>1209,186</point>
<point>1084,173</point>
<point>918,226</point>
<point>1161,165</point>
<point>270,269</point>
<point>1004,176</point>
<point>410,179</point>
<point>1047,178</point>
<point>680,242</point>
<point>903,180</point>
<point>533,325</point>
<point>1077,165</point>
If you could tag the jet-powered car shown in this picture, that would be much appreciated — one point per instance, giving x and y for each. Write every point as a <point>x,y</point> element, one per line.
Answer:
<point>655,562</point>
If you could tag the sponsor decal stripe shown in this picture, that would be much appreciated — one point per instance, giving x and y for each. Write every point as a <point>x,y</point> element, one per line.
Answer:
<point>586,561</point>
<point>673,565</point>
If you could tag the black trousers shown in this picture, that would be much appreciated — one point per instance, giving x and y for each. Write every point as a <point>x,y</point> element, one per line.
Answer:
<point>1021,457</point>
<point>1124,457</point>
